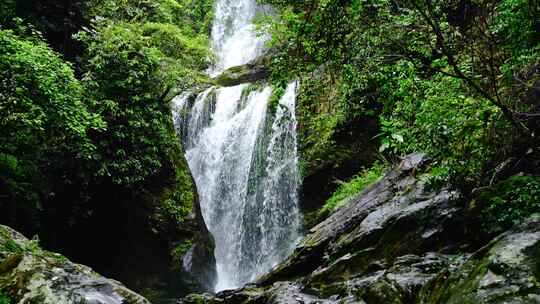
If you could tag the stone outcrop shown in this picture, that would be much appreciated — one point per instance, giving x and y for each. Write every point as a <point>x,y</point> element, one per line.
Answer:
<point>248,73</point>
<point>31,275</point>
<point>507,270</point>
<point>331,150</point>
<point>198,264</point>
<point>393,217</point>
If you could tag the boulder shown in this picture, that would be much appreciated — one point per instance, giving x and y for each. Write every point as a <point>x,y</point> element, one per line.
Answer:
<point>507,270</point>
<point>248,73</point>
<point>30,275</point>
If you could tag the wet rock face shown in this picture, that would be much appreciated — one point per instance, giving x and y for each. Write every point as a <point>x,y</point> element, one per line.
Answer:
<point>399,242</point>
<point>281,292</point>
<point>507,270</point>
<point>31,275</point>
<point>248,73</point>
<point>198,271</point>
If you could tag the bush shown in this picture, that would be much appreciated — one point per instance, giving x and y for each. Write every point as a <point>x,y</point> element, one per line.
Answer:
<point>44,126</point>
<point>192,16</point>
<point>130,69</point>
<point>461,133</point>
<point>346,191</point>
<point>509,203</point>
<point>4,299</point>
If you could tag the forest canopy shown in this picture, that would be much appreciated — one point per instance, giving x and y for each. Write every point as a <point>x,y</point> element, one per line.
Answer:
<point>83,91</point>
<point>457,79</point>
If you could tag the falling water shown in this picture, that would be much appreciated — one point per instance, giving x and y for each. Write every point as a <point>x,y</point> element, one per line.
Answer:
<point>242,152</point>
<point>233,37</point>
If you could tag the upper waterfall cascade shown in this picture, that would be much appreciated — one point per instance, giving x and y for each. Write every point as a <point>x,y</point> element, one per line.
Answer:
<point>243,156</point>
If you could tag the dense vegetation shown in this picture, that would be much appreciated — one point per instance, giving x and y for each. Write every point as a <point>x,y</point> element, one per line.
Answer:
<point>347,190</point>
<point>103,118</point>
<point>87,144</point>
<point>456,79</point>
<point>4,299</point>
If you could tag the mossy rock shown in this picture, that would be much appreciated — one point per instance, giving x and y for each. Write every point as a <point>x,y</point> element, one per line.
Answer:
<point>248,73</point>
<point>504,271</point>
<point>39,276</point>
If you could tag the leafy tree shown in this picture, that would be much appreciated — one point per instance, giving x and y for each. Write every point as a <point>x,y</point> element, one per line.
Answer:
<point>130,70</point>
<point>45,125</point>
<point>56,20</point>
<point>396,53</point>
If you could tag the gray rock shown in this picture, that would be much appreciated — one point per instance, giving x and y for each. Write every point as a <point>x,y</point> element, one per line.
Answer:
<point>504,271</point>
<point>30,275</point>
<point>393,217</point>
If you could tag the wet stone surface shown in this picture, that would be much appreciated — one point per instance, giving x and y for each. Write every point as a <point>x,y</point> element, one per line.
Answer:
<point>31,275</point>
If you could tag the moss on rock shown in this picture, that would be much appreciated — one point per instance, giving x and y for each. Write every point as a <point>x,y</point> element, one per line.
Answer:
<point>248,73</point>
<point>504,271</point>
<point>34,275</point>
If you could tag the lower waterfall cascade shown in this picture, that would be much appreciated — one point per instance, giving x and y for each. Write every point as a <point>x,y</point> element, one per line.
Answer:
<point>241,149</point>
<point>243,157</point>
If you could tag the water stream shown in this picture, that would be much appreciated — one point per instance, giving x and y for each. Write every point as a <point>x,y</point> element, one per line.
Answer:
<point>242,153</point>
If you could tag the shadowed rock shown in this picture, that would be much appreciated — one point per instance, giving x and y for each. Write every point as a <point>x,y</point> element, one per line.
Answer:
<point>506,270</point>
<point>31,275</point>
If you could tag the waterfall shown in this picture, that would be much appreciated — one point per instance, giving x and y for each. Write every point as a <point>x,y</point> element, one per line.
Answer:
<point>242,152</point>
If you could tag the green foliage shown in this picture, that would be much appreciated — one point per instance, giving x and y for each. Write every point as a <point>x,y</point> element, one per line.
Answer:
<point>45,124</point>
<point>175,208</point>
<point>320,120</point>
<point>41,98</point>
<point>435,117</point>
<point>178,252</point>
<point>53,20</point>
<point>61,258</point>
<point>33,246</point>
<point>63,139</point>
<point>131,68</point>
<point>7,11</point>
<point>4,299</point>
<point>509,203</point>
<point>192,16</point>
<point>348,190</point>
<point>447,78</point>
<point>518,21</point>
<point>141,50</point>
<point>277,94</point>
<point>12,246</point>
